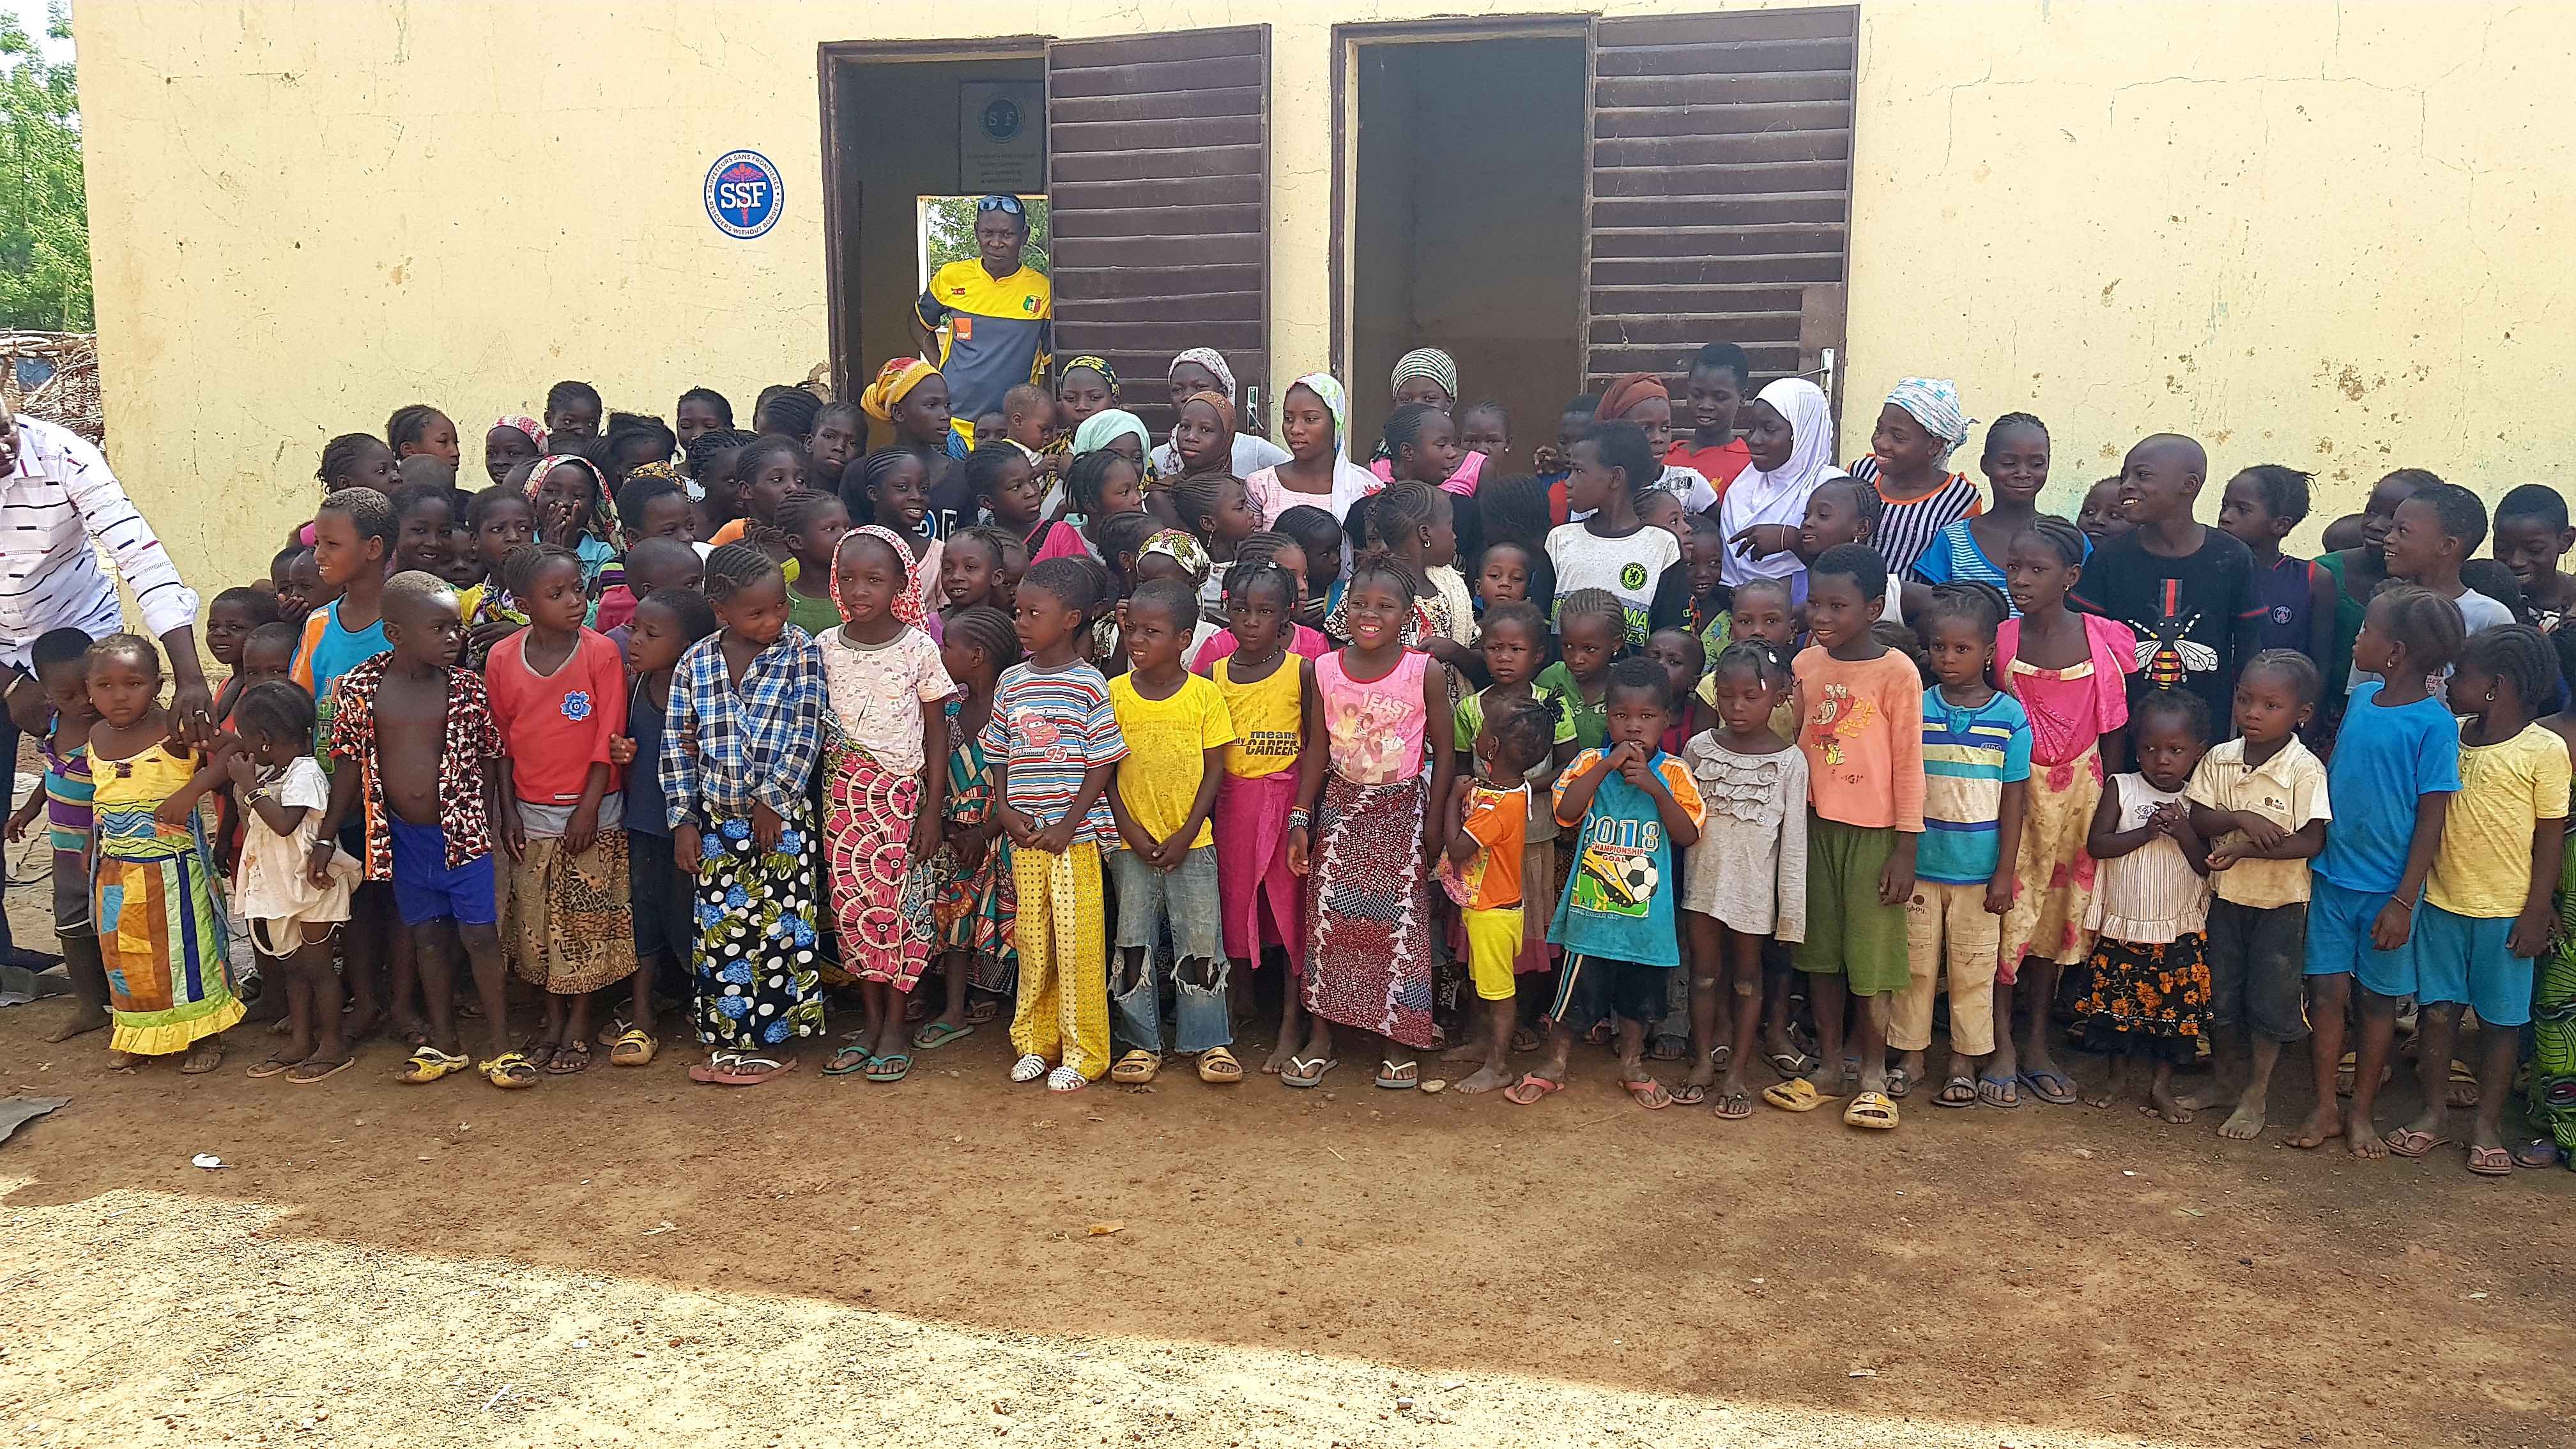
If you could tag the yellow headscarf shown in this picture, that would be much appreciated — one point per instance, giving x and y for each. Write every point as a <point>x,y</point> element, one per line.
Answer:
<point>896,378</point>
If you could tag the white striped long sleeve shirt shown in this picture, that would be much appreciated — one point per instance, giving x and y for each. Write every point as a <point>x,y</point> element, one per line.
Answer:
<point>56,507</point>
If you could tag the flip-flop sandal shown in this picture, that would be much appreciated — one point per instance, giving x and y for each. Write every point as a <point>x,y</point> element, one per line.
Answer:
<point>1792,1065</point>
<point>428,1064</point>
<point>1218,1067</point>
<point>1136,1068</point>
<point>1397,1076</point>
<point>510,1071</point>
<point>1531,1090</point>
<point>750,1071</point>
<point>309,1071</point>
<point>1871,1110</point>
<point>2004,1092</point>
<point>634,1047</point>
<point>1307,1072</point>
<point>890,1068</point>
<point>711,1071</point>
<point>1733,1106</point>
<point>1795,1095</point>
<point>2490,1161</point>
<point>2539,1152</point>
<point>613,1033</point>
<point>848,1060</point>
<point>939,1034</point>
<point>1900,1083</point>
<point>1956,1092</point>
<point>578,1052</point>
<point>1688,1094</point>
<point>2051,1086</point>
<point>1649,1094</point>
<point>269,1067</point>
<point>2407,1142</point>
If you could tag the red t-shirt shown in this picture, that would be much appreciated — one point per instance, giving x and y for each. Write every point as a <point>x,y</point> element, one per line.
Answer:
<point>1718,465</point>
<point>557,726</point>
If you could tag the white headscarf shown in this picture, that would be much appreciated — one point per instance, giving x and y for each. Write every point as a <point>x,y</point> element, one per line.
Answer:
<point>1780,496</point>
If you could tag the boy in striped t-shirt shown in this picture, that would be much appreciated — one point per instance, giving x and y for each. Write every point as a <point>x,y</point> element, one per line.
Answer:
<point>61,660</point>
<point>1976,765</point>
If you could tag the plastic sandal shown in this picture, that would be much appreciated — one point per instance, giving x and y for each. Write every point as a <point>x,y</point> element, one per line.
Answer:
<point>1066,1079</point>
<point>1531,1090</point>
<point>1028,1068</point>
<point>1136,1068</point>
<point>1218,1067</point>
<point>308,1071</point>
<point>1872,1110</point>
<point>1795,1095</point>
<point>849,1060</point>
<point>634,1047</point>
<point>429,1064</point>
<point>1991,1090</point>
<point>1649,1094</point>
<point>939,1034</point>
<point>1307,1072</point>
<point>1947,1097</point>
<point>1395,1076</point>
<point>2490,1161</point>
<point>510,1071</point>
<point>890,1069</point>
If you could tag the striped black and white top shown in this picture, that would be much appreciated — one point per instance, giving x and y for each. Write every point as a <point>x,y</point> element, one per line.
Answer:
<point>58,506</point>
<point>1906,529</point>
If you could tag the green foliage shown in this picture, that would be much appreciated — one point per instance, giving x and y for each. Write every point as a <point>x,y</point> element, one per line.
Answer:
<point>44,215</point>
<point>949,222</point>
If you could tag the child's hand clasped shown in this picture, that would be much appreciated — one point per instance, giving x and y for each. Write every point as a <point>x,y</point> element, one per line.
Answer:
<point>621,750</point>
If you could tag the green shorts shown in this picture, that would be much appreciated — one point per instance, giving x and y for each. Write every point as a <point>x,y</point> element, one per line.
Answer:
<point>1849,933</point>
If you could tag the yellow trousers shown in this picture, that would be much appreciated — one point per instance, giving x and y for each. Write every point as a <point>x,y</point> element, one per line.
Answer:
<point>1063,1012</point>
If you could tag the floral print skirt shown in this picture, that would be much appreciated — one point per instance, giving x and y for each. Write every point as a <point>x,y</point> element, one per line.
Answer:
<point>2146,1000</point>
<point>757,957</point>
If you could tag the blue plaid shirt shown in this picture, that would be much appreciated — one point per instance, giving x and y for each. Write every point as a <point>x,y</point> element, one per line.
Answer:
<point>724,747</point>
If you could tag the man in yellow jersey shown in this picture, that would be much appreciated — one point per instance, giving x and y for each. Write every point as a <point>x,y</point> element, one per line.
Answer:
<point>999,313</point>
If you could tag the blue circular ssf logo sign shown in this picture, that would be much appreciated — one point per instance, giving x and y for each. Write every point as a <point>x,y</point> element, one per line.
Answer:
<point>742,194</point>
<point>1002,118</point>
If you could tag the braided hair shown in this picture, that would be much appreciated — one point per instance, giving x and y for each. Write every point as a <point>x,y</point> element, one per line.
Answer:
<point>1195,498</point>
<point>2426,625</point>
<point>792,411</point>
<point>2181,704</point>
<point>2518,654</point>
<point>798,510</point>
<point>2057,535</point>
<point>1404,426</point>
<point>343,455</point>
<point>2283,489</point>
<point>983,627</point>
<point>572,394</point>
<point>1400,508</point>
<point>1999,426</point>
<point>1524,730</point>
<point>1865,502</point>
<point>1593,604</point>
<point>1767,664</point>
<point>984,466</point>
<point>1513,510</point>
<point>519,571</point>
<point>408,423</point>
<point>1982,605</point>
<point>2292,667</point>
<point>1089,476</point>
<point>734,567</point>
<point>703,448</point>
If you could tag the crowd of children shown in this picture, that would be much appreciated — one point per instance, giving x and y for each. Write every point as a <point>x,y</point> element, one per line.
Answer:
<point>1687,743</point>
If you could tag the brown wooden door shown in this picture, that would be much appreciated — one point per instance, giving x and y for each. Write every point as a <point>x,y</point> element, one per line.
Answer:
<point>1158,156</point>
<point>1720,189</point>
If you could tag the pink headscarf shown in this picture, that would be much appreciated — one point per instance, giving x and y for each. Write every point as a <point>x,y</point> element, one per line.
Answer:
<point>906,606</point>
<point>535,430</point>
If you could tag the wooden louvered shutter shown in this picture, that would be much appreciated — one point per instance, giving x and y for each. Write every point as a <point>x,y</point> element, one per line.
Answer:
<point>1158,153</point>
<point>1720,189</point>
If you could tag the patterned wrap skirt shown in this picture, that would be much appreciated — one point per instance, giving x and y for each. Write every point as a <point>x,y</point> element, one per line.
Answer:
<point>161,933</point>
<point>2552,1098</point>
<point>1370,959</point>
<point>757,948</point>
<point>568,924</point>
<point>2054,876</point>
<point>975,907</point>
<point>2148,1000</point>
<point>880,905</point>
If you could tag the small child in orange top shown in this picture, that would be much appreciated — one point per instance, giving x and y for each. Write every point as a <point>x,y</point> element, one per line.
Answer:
<point>1487,817</point>
<point>1862,733</point>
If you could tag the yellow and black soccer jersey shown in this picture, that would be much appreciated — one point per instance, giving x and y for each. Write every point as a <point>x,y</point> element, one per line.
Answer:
<point>997,332</point>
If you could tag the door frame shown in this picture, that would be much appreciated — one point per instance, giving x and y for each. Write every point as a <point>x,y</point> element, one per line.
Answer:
<point>1347,41</point>
<point>841,206</point>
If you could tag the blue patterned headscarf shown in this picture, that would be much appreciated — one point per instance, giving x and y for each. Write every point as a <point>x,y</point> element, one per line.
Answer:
<point>1934,402</point>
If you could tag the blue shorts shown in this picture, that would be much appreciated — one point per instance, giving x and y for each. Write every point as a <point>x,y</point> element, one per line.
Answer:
<point>2339,921</point>
<point>426,889</point>
<point>2463,959</point>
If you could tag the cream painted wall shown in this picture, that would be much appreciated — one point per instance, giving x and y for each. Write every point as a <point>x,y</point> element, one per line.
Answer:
<point>2312,233</point>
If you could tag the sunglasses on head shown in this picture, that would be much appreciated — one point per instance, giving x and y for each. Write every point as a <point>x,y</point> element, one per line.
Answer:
<point>1008,204</point>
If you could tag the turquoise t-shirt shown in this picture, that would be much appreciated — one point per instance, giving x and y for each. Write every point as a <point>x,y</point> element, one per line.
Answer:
<point>1618,902</point>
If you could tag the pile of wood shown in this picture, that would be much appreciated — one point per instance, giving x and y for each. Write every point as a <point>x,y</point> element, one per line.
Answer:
<point>70,396</point>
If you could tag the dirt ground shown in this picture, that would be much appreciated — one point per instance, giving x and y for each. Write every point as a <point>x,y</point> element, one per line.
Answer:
<point>623,1258</point>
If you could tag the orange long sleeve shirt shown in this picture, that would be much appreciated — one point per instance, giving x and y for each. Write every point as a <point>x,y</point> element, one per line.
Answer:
<point>1860,726</point>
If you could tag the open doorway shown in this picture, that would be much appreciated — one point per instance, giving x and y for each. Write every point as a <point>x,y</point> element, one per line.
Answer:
<point>912,135</point>
<point>1465,224</point>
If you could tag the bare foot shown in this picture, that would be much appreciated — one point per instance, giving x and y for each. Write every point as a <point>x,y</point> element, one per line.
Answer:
<point>79,1023</point>
<point>1487,1078</point>
<point>1465,1052</point>
<point>2103,1098</point>
<point>124,1061</point>
<point>2363,1138</point>
<point>2210,1096</point>
<point>2245,1123</point>
<point>204,1057</point>
<point>2161,1101</point>
<point>1280,1055</point>
<point>2323,1126</point>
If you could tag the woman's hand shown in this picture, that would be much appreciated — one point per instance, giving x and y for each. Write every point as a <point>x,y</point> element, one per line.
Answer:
<point>1297,861</point>
<point>1764,539</point>
<point>684,848</point>
<point>581,832</point>
<point>766,827</point>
